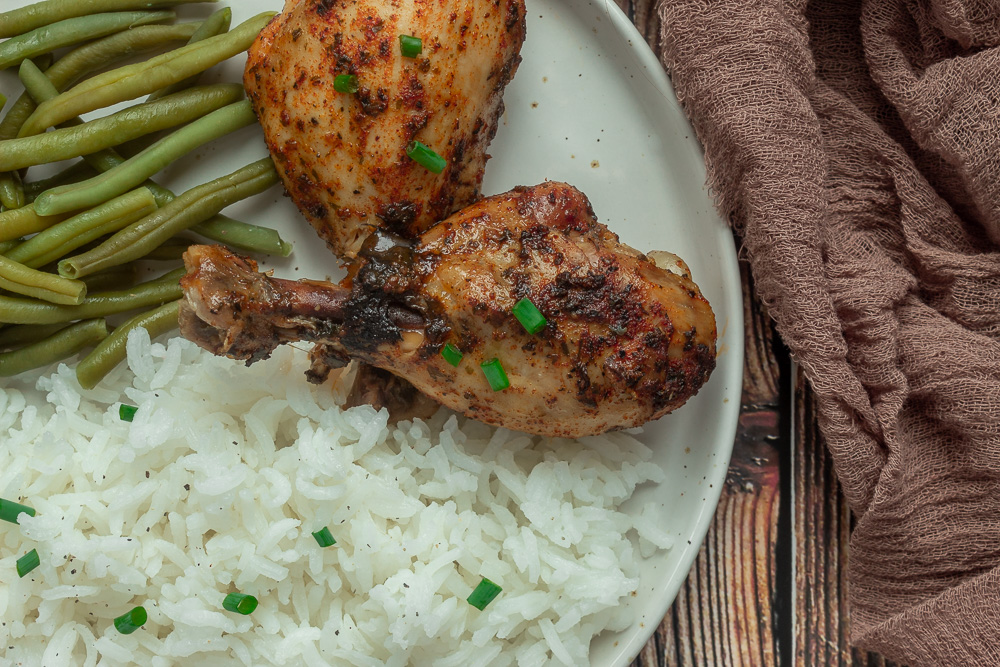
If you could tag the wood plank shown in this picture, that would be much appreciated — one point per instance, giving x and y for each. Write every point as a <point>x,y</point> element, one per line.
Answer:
<point>724,613</point>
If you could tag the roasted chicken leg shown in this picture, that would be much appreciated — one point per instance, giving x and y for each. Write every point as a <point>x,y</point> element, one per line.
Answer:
<point>342,156</point>
<point>625,340</point>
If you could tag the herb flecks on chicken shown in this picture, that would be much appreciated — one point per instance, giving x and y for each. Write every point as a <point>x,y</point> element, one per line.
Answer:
<point>625,341</point>
<point>342,156</point>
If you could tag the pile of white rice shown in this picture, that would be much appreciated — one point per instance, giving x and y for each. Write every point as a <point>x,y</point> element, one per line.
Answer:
<point>224,474</point>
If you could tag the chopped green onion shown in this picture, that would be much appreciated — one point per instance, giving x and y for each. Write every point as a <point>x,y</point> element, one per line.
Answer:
<point>484,594</point>
<point>9,510</point>
<point>410,47</point>
<point>27,563</point>
<point>452,354</point>
<point>324,538</point>
<point>495,374</point>
<point>127,412</point>
<point>240,603</point>
<point>345,83</point>
<point>529,316</point>
<point>425,157</point>
<point>130,622</point>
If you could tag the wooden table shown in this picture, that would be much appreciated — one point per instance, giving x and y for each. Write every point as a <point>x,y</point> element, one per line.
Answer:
<point>769,586</point>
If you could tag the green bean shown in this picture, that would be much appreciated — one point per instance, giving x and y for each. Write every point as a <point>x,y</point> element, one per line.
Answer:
<point>36,15</point>
<point>135,170</point>
<point>23,334</point>
<point>24,221</point>
<point>20,279</point>
<point>21,108</point>
<point>59,346</point>
<point>117,277</point>
<point>131,81</point>
<point>63,238</point>
<point>111,351</point>
<point>192,207</point>
<point>216,24</point>
<point>12,191</point>
<point>40,87</point>
<point>219,228</point>
<point>85,59</point>
<point>244,236</point>
<point>3,100</point>
<point>72,31</point>
<point>6,246</point>
<point>76,172</point>
<point>171,250</point>
<point>111,130</point>
<point>16,310</point>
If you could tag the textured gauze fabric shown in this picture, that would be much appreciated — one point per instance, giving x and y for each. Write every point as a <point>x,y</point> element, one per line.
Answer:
<point>856,145</point>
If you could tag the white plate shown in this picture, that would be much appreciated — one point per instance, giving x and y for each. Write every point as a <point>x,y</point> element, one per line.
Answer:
<point>591,106</point>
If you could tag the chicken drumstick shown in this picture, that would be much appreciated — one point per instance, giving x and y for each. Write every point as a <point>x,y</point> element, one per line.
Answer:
<point>625,340</point>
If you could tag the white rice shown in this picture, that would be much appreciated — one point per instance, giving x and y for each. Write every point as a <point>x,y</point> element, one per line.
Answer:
<point>218,483</point>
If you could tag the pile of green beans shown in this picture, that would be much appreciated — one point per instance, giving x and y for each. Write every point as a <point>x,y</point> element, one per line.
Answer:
<point>71,244</point>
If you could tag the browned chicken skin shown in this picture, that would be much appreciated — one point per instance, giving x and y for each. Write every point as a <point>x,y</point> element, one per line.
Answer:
<point>342,156</point>
<point>626,341</point>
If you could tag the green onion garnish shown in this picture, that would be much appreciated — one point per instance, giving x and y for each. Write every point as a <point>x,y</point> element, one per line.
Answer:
<point>240,603</point>
<point>495,374</point>
<point>27,563</point>
<point>130,622</point>
<point>324,538</point>
<point>529,316</point>
<point>410,47</point>
<point>9,510</point>
<point>127,412</point>
<point>345,83</point>
<point>452,354</point>
<point>484,594</point>
<point>425,157</point>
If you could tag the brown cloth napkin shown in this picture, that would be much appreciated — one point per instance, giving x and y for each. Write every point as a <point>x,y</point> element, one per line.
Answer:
<point>857,147</point>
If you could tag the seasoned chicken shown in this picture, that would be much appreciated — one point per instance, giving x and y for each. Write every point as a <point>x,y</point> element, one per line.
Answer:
<point>625,341</point>
<point>343,156</point>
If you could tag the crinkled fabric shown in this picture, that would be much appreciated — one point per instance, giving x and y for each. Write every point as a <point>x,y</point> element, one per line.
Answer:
<point>856,145</point>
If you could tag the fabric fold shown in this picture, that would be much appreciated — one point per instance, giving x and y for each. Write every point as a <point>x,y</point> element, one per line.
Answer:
<point>856,146</point>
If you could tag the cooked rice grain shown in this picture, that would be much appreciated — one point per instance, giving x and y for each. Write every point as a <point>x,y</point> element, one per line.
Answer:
<point>218,483</point>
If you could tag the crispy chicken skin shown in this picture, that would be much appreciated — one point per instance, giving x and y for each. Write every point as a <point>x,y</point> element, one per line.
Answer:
<point>342,156</point>
<point>626,341</point>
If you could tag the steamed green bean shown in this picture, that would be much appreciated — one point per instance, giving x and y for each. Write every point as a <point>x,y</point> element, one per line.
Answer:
<point>171,250</point>
<point>23,19</point>
<point>76,172</point>
<point>131,81</point>
<point>192,207</point>
<point>244,236</point>
<point>219,228</point>
<point>63,238</point>
<point>16,310</point>
<point>60,345</point>
<point>20,279</point>
<point>12,191</point>
<point>216,24</point>
<point>115,278</point>
<point>82,61</point>
<point>111,351</point>
<point>72,31</point>
<point>23,334</point>
<point>137,169</point>
<point>24,221</point>
<point>95,135</point>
